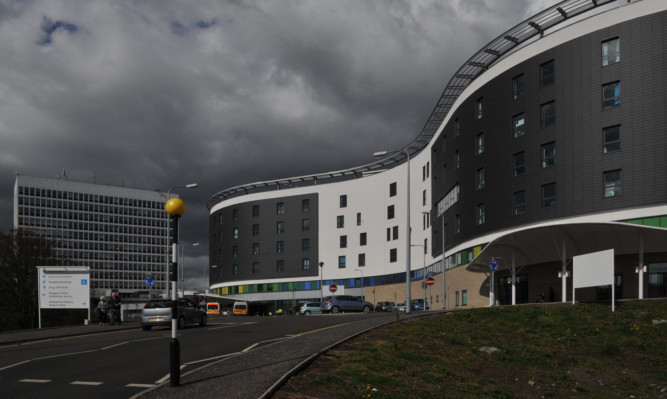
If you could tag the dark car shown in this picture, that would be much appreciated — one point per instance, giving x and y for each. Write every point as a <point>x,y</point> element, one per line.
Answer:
<point>345,303</point>
<point>157,312</point>
<point>418,304</point>
<point>385,306</point>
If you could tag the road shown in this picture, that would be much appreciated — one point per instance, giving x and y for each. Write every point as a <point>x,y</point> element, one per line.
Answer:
<point>119,364</point>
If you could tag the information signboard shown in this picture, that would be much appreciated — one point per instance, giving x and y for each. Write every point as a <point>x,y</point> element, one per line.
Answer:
<point>66,287</point>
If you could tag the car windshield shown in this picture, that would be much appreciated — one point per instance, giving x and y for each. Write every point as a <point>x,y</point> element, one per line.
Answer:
<point>158,304</point>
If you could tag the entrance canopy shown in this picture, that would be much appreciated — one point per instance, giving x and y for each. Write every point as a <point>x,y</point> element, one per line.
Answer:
<point>548,243</point>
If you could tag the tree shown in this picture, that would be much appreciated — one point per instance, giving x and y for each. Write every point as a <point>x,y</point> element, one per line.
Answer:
<point>21,251</point>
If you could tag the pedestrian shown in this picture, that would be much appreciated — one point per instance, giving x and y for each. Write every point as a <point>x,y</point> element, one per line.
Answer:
<point>102,309</point>
<point>114,308</point>
<point>552,294</point>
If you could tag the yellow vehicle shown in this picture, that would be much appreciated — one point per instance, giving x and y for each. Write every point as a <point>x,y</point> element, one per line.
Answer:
<point>240,308</point>
<point>212,308</point>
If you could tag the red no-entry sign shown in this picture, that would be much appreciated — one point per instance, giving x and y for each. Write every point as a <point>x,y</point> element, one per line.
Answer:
<point>430,281</point>
<point>333,288</point>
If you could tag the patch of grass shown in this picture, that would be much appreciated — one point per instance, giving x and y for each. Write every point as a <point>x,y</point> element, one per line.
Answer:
<point>581,351</point>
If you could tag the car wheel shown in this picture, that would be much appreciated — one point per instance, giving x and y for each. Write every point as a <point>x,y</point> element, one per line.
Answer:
<point>366,309</point>
<point>146,328</point>
<point>181,323</point>
<point>335,309</point>
<point>307,312</point>
<point>203,321</point>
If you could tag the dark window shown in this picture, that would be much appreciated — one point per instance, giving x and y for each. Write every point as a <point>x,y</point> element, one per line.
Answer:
<point>479,109</point>
<point>280,266</point>
<point>343,241</point>
<point>549,195</point>
<point>390,212</point>
<point>280,247</point>
<point>343,201</point>
<point>388,234</point>
<point>305,264</point>
<point>305,205</point>
<point>255,229</point>
<point>611,51</point>
<point>341,262</point>
<point>611,95</point>
<point>305,224</point>
<point>393,255</point>
<point>255,210</point>
<point>340,221</point>
<point>362,259</point>
<point>358,218</point>
<point>548,154</point>
<point>235,214</point>
<point>547,73</point>
<point>480,213</point>
<point>519,203</point>
<point>519,161</point>
<point>479,179</point>
<point>235,232</point>
<point>517,87</point>
<point>255,248</point>
<point>235,269</point>
<point>611,139</point>
<point>280,227</point>
<point>305,244</point>
<point>255,267</point>
<point>479,144</point>
<point>392,189</point>
<point>519,125</point>
<point>394,231</point>
<point>235,251</point>
<point>613,185</point>
<point>280,208</point>
<point>457,127</point>
<point>362,239</point>
<point>548,114</point>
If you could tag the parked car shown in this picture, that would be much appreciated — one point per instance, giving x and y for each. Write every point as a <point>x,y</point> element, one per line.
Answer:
<point>157,312</point>
<point>385,306</point>
<point>418,304</point>
<point>402,308</point>
<point>309,308</point>
<point>345,303</point>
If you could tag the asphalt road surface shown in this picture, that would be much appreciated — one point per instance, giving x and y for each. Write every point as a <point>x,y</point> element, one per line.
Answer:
<point>119,364</point>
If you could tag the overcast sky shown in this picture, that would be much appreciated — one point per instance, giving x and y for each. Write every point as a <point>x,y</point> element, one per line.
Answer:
<point>154,94</point>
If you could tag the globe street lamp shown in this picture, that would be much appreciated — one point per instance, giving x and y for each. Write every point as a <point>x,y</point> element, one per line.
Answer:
<point>408,234</point>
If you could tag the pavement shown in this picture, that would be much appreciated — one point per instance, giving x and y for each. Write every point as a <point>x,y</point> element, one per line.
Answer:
<point>256,373</point>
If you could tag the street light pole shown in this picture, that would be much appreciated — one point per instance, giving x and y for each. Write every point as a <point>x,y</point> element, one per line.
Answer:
<point>363,293</point>
<point>168,284</point>
<point>408,234</point>
<point>423,272</point>
<point>321,264</point>
<point>182,273</point>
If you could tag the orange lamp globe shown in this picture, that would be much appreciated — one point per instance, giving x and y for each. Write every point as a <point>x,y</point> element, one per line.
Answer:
<point>175,207</point>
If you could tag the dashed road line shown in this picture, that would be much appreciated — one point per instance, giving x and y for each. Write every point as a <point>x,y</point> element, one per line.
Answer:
<point>32,380</point>
<point>93,383</point>
<point>15,364</point>
<point>64,354</point>
<point>115,345</point>
<point>140,385</point>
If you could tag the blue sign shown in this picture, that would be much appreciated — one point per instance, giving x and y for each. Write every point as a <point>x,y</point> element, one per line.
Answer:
<point>149,280</point>
<point>493,265</point>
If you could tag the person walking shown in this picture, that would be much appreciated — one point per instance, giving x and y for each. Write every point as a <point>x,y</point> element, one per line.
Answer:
<point>114,308</point>
<point>102,309</point>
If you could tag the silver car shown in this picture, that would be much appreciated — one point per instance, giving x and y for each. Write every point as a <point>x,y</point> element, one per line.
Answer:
<point>157,312</point>
<point>310,307</point>
<point>345,303</point>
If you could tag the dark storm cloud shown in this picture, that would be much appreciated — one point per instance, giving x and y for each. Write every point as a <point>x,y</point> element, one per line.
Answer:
<point>157,94</point>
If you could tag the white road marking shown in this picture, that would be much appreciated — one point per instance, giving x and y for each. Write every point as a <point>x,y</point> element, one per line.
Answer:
<point>115,345</point>
<point>34,380</point>
<point>212,358</point>
<point>64,354</point>
<point>86,383</point>
<point>140,385</point>
<point>15,364</point>
<point>250,347</point>
<point>233,325</point>
<point>166,377</point>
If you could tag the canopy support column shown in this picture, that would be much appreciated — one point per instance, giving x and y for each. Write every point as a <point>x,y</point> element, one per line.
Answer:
<point>513,280</point>
<point>564,273</point>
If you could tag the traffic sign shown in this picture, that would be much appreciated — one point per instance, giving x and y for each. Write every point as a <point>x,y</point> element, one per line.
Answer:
<point>430,281</point>
<point>333,288</point>
<point>493,265</point>
<point>149,280</point>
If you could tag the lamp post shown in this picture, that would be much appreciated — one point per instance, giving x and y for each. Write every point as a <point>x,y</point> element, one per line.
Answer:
<point>175,208</point>
<point>191,185</point>
<point>321,264</point>
<point>408,233</point>
<point>363,293</point>
<point>444,261</point>
<point>182,273</point>
<point>423,272</point>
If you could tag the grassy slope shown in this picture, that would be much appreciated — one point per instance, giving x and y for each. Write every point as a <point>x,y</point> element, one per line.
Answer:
<point>551,351</point>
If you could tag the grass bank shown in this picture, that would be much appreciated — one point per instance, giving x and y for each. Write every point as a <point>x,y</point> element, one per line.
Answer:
<point>545,351</point>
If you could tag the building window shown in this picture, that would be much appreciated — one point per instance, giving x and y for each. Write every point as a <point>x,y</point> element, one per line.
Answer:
<point>280,247</point>
<point>235,269</point>
<point>394,231</point>
<point>280,227</point>
<point>255,267</point>
<point>235,232</point>
<point>392,189</point>
<point>479,108</point>
<point>548,114</point>
<point>362,260</point>
<point>547,73</point>
<point>280,208</point>
<point>480,213</point>
<point>305,205</point>
<point>611,51</point>
<point>393,255</point>
<point>425,246</point>
<point>517,87</point>
<point>548,154</point>
<point>305,224</point>
<point>457,222</point>
<point>255,248</point>
<point>519,163</point>
<point>611,95</point>
<point>341,262</point>
<point>235,214</point>
<point>255,210</point>
<point>305,244</point>
<point>519,203</point>
<point>611,139</point>
<point>464,298</point>
<point>458,159</point>
<point>280,266</point>
<point>388,234</point>
<point>457,127</point>
<point>479,144</point>
<point>305,264</point>
<point>519,125</point>
<point>457,299</point>
<point>343,241</point>
<point>390,212</point>
<point>549,195</point>
<point>343,201</point>
<point>424,195</point>
<point>613,185</point>
<point>235,251</point>
<point>362,239</point>
<point>340,222</point>
<point>358,218</point>
<point>255,229</point>
<point>479,179</point>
